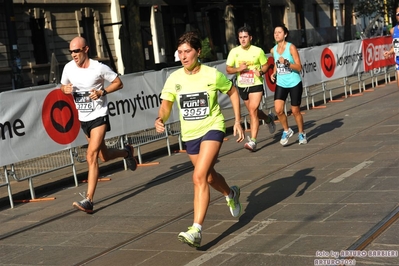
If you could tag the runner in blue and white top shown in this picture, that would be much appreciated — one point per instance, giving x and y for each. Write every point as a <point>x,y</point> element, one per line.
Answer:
<point>395,44</point>
<point>286,70</point>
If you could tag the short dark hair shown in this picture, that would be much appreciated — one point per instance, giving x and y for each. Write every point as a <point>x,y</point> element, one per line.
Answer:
<point>245,29</point>
<point>192,38</point>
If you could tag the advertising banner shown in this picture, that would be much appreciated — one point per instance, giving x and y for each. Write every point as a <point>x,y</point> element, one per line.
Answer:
<point>42,120</point>
<point>373,52</point>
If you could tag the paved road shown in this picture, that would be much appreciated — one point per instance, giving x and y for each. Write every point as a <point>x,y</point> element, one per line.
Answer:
<point>302,204</point>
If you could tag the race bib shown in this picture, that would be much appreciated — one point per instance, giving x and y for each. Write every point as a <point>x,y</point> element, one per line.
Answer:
<point>395,44</point>
<point>83,101</point>
<point>282,69</point>
<point>194,106</point>
<point>247,78</point>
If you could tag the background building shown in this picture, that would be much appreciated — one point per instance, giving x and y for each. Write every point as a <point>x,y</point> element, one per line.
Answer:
<point>35,34</point>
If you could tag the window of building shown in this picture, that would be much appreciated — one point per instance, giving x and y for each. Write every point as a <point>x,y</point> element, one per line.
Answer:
<point>337,16</point>
<point>37,27</point>
<point>299,12</point>
<point>89,28</point>
<point>316,16</point>
<point>89,33</point>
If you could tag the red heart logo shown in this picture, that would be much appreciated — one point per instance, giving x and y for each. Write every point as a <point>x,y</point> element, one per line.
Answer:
<point>328,62</point>
<point>62,116</point>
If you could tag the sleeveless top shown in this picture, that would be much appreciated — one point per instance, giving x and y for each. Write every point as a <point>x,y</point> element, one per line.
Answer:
<point>286,77</point>
<point>395,43</point>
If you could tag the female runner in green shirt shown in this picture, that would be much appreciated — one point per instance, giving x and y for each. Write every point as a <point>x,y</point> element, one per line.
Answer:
<point>195,88</point>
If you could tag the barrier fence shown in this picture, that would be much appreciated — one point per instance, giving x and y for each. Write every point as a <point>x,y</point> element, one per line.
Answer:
<point>330,70</point>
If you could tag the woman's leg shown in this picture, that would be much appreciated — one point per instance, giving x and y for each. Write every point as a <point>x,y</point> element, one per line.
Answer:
<point>296,111</point>
<point>203,171</point>
<point>279,108</point>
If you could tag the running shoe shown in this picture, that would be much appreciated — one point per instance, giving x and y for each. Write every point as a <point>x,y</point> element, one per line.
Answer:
<point>286,135</point>
<point>234,203</point>
<point>271,125</point>
<point>250,145</point>
<point>130,160</point>
<point>192,237</point>
<point>302,138</point>
<point>84,205</point>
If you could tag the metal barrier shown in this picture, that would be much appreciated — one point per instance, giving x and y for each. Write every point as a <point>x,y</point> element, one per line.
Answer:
<point>79,153</point>
<point>353,80</point>
<point>389,71</point>
<point>330,86</point>
<point>137,139</point>
<point>28,169</point>
<point>312,91</point>
<point>4,181</point>
<point>174,130</point>
<point>346,85</point>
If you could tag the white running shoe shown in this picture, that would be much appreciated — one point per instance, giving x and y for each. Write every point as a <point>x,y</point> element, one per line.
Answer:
<point>286,135</point>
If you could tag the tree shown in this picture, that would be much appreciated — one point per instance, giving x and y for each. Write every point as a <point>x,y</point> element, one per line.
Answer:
<point>375,10</point>
<point>268,38</point>
<point>348,20</point>
<point>136,63</point>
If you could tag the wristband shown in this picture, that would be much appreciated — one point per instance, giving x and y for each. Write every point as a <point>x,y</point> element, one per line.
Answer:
<point>261,73</point>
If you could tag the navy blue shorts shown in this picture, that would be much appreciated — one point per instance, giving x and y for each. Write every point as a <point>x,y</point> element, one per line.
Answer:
<point>89,125</point>
<point>193,146</point>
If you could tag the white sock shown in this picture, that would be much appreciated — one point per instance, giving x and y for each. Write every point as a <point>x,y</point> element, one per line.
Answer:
<point>198,226</point>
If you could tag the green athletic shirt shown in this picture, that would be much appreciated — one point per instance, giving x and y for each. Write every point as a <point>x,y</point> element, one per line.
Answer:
<point>254,57</point>
<point>197,98</point>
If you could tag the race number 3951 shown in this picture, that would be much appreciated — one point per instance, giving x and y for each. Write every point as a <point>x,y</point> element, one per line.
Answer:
<point>194,106</point>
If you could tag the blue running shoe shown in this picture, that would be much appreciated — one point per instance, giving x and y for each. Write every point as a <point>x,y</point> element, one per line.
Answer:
<point>286,135</point>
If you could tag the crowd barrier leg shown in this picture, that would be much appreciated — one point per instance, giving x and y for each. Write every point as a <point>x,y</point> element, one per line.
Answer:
<point>245,123</point>
<point>8,187</point>
<point>306,96</point>
<point>75,176</point>
<point>180,143</point>
<point>138,156</point>
<point>168,142</point>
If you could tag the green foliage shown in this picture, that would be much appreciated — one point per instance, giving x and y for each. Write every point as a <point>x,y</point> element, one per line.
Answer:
<point>206,52</point>
<point>367,8</point>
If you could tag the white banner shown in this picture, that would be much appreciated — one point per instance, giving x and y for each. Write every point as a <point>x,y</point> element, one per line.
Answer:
<point>339,60</point>
<point>311,69</point>
<point>329,62</point>
<point>42,120</point>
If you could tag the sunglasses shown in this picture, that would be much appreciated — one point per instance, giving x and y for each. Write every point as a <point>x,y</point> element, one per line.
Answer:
<point>76,50</point>
<point>397,14</point>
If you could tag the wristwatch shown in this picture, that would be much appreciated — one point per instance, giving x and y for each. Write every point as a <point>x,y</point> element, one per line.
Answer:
<point>104,92</point>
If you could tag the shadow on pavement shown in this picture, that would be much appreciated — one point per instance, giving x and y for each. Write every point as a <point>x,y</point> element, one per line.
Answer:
<point>265,197</point>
